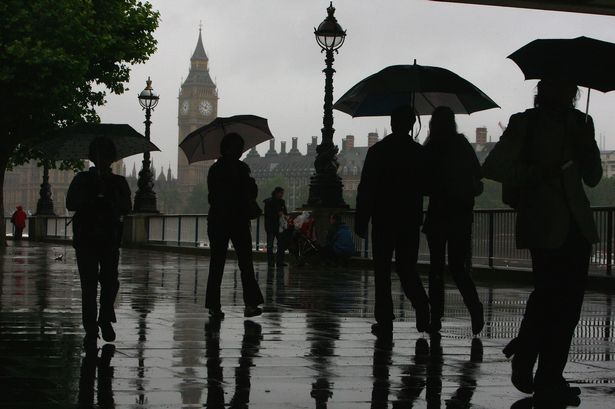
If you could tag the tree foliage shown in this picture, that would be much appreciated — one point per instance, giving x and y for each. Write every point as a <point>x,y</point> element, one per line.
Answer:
<point>58,59</point>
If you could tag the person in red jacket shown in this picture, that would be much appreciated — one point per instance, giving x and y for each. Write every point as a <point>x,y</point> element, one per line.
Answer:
<point>19,222</point>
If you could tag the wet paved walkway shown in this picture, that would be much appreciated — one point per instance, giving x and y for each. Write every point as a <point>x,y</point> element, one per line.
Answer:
<point>311,348</point>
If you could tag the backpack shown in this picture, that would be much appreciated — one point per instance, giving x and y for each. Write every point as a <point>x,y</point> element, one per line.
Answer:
<point>97,223</point>
<point>511,194</point>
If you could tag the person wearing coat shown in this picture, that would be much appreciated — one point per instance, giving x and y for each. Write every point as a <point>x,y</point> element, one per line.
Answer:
<point>339,244</point>
<point>390,195</point>
<point>99,199</point>
<point>275,208</point>
<point>453,179</point>
<point>19,222</point>
<point>544,158</point>
<point>232,203</point>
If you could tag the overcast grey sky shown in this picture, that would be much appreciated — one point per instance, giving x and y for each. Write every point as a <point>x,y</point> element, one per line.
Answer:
<point>265,61</point>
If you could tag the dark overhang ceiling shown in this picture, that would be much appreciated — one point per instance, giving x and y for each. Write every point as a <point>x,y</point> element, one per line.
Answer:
<point>605,7</point>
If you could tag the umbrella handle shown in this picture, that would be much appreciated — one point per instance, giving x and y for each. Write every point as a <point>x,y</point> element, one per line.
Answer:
<point>587,104</point>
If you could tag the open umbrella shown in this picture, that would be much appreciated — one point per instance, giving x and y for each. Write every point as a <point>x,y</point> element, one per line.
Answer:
<point>73,142</point>
<point>421,86</point>
<point>585,61</point>
<point>204,143</point>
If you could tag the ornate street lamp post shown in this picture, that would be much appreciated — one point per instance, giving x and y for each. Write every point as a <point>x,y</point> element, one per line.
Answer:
<point>145,197</point>
<point>325,184</point>
<point>44,205</point>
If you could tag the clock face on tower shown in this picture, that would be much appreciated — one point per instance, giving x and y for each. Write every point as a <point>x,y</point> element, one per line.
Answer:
<point>205,108</point>
<point>185,107</point>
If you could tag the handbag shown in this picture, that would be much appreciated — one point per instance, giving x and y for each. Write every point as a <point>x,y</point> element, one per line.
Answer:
<point>511,194</point>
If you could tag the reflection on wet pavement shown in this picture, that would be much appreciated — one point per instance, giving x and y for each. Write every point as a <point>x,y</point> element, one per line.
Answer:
<point>311,348</point>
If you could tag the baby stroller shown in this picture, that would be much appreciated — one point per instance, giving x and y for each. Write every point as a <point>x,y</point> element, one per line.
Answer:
<point>302,242</point>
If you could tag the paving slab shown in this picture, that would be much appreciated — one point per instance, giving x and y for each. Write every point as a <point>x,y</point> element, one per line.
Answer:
<point>312,346</point>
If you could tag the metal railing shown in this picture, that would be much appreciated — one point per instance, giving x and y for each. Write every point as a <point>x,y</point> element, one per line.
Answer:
<point>59,227</point>
<point>493,237</point>
<point>9,229</point>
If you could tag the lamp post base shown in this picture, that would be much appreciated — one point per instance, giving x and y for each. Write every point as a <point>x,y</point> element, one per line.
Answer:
<point>145,203</point>
<point>326,191</point>
<point>145,197</point>
<point>45,208</point>
<point>44,205</point>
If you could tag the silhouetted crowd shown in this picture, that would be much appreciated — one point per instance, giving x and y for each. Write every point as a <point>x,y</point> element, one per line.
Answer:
<point>543,159</point>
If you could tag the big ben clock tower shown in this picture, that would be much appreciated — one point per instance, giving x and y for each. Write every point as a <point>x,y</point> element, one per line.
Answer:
<point>198,105</point>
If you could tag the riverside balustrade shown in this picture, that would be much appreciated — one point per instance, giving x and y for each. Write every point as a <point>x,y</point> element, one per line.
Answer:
<point>493,238</point>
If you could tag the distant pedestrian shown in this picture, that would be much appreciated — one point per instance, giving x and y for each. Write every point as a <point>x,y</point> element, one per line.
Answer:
<point>232,200</point>
<point>99,199</point>
<point>339,246</point>
<point>19,222</point>
<point>453,179</point>
<point>543,158</point>
<point>275,216</point>
<point>390,194</point>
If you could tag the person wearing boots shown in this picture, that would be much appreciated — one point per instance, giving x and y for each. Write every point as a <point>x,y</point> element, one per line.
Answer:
<point>543,159</point>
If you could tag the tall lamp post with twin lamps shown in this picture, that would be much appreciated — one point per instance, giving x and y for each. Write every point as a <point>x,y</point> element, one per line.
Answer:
<point>145,197</point>
<point>326,185</point>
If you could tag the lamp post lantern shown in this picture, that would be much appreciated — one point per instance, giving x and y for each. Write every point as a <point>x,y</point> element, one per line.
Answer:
<point>145,197</point>
<point>325,184</point>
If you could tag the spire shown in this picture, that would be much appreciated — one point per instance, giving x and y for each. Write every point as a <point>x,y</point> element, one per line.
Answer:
<point>161,177</point>
<point>169,174</point>
<point>134,171</point>
<point>199,51</point>
<point>199,71</point>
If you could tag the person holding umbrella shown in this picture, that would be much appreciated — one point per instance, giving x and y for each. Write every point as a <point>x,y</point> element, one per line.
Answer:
<point>544,157</point>
<point>99,199</point>
<point>390,194</point>
<point>232,200</point>
<point>453,180</point>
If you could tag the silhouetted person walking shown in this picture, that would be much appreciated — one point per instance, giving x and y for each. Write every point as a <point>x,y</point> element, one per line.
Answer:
<point>543,158</point>
<point>19,222</point>
<point>390,195</point>
<point>232,201</point>
<point>275,208</point>
<point>453,179</point>
<point>99,199</point>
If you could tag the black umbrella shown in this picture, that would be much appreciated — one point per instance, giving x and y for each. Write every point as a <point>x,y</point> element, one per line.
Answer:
<point>73,142</point>
<point>585,61</point>
<point>204,143</point>
<point>421,86</point>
